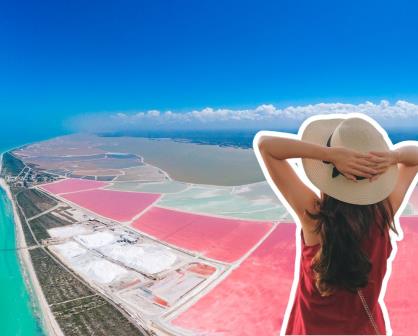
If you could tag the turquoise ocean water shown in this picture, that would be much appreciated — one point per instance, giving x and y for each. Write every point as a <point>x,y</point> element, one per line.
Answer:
<point>18,313</point>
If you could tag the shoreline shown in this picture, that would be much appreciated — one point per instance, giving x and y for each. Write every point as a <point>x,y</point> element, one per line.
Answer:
<point>48,323</point>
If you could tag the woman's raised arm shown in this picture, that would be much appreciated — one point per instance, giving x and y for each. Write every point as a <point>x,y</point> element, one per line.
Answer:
<point>275,149</point>
<point>349,162</point>
<point>408,154</point>
<point>405,154</point>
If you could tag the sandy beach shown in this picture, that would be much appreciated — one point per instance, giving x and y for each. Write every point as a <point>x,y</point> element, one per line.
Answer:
<point>49,324</point>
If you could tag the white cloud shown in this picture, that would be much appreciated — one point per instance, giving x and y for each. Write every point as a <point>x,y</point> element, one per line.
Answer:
<point>267,116</point>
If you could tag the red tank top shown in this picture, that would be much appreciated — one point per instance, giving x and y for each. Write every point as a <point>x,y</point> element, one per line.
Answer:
<point>342,312</point>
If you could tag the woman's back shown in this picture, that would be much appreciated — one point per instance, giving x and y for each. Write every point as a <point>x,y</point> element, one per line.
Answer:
<point>338,155</point>
<point>342,312</point>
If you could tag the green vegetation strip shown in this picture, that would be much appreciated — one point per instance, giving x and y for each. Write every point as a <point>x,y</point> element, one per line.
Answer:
<point>92,316</point>
<point>11,165</point>
<point>41,224</point>
<point>34,202</point>
<point>30,241</point>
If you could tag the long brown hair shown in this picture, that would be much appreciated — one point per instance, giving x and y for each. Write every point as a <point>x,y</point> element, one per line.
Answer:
<point>340,262</point>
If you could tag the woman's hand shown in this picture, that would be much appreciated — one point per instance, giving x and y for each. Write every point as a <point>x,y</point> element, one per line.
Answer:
<point>384,159</point>
<point>350,163</point>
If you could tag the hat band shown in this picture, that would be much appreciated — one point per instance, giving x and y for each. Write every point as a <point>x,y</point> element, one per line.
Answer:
<point>335,171</point>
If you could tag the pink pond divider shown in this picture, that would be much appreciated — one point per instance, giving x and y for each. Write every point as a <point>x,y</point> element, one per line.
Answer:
<point>223,239</point>
<point>252,300</point>
<point>117,205</point>
<point>402,293</point>
<point>71,185</point>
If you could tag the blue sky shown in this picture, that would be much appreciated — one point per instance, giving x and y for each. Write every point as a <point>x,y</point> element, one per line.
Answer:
<point>61,59</point>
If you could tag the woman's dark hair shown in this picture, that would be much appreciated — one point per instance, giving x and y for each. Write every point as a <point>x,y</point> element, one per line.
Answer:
<point>340,262</point>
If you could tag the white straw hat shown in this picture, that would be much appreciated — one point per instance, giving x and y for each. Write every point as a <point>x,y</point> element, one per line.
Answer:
<point>356,131</point>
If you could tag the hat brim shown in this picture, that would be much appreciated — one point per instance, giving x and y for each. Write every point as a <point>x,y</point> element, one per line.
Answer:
<point>362,192</point>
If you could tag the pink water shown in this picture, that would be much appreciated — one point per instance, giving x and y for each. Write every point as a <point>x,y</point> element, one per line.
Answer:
<point>402,293</point>
<point>253,298</point>
<point>117,205</point>
<point>72,184</point>
<point>222,239</point>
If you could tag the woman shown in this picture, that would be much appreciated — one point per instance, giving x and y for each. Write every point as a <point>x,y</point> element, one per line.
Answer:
<point>345,242</point>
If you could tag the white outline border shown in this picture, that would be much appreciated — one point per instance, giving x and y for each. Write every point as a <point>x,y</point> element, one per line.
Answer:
<point>297,165</point>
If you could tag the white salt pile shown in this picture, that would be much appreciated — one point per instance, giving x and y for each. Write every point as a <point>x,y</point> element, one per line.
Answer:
<point>68,231</point>
<point>69,249</point>
<point>146,258</point>
<point>97,239</point>
<point>91,267</point>
<point>99,270</point>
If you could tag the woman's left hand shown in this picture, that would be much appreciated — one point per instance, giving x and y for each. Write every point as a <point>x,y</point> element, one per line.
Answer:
<point>350,163</point>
